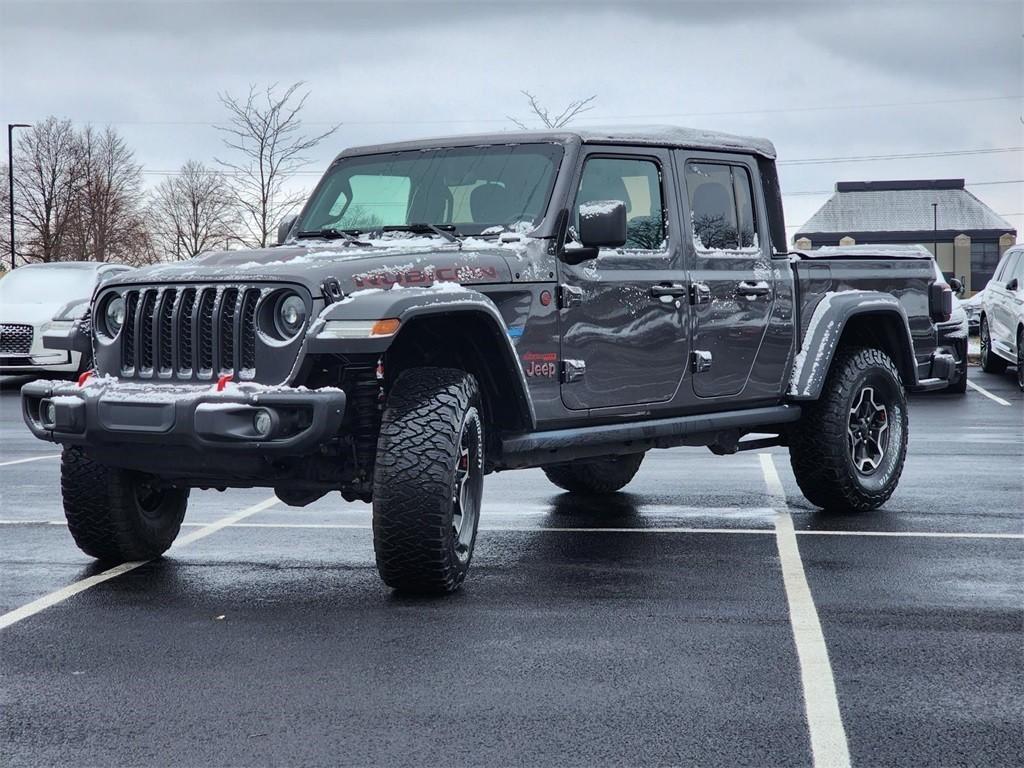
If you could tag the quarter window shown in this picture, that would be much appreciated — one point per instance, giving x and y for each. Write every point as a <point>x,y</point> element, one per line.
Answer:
<point>637,183</point>
<point>721,206</point>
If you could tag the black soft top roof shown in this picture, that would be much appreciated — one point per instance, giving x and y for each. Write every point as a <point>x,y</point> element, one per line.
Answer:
<point>654,135</point>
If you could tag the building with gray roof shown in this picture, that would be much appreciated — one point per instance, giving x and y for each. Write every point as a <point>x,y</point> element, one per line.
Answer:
<point>940,214</point>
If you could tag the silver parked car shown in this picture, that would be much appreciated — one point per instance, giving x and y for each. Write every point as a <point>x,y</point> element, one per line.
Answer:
<point>38,298</point>
<point>1002,316</point>
<point>972,307</point>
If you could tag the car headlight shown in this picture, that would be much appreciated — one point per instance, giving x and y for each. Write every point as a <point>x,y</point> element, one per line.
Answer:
<point>290,316</point>
<point>113,316</point>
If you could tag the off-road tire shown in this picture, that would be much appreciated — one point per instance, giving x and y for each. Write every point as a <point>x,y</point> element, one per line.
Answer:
<point>416,480</point>
<point>115,515</point>
<point>604,475</point>
<point>960,386</point>
<point>819,447</point>
<point>990,361</point>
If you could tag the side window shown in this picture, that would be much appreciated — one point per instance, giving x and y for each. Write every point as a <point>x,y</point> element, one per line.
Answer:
<point>637,183</point>
<point>721,206</point>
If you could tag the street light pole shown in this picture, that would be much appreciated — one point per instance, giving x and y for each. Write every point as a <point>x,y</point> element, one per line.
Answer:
<point>10,178</point>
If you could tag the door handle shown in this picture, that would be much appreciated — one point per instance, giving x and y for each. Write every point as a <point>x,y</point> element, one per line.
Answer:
<point>746,288</point>
<point>668,289</point>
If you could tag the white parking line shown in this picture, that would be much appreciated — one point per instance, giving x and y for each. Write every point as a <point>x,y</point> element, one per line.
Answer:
<point>31,458</point>
<point>552,529</point>
<point>59,596</point>
<point>986,393</point>
<point>824,720</point>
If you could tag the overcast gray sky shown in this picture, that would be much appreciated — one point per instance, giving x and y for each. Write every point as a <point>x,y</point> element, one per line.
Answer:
<point>823,80</point>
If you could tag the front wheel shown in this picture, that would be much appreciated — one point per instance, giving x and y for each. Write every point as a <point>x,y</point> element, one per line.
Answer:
<point>428,480</point>
<point>1020,359</point>
<point>848,449</point>
<point>990,361</point>
<point>116,515</point>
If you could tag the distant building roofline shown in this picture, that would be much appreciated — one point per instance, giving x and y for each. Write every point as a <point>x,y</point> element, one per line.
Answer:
<point>898,184</point>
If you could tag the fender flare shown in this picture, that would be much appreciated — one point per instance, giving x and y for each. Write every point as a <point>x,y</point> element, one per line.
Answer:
<point>418,304</point>
<point>828,321</point>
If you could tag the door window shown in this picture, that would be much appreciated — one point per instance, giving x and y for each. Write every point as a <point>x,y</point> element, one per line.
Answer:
<point>637,183</point>
<point>721,206</point>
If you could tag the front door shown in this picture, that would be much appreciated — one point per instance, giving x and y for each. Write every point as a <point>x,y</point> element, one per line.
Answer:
<point>623,316</point>
<point>729,260</point>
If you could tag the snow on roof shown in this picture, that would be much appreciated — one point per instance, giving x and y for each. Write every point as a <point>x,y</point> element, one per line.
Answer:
<point>648,135</point>
<point>902,207</point>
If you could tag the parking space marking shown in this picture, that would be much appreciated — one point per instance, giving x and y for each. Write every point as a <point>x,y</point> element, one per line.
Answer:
<point>31,458</point>
<point>59,596</point>
<point>821,703</point>
<point>559,529</point>
<point>986,393</point>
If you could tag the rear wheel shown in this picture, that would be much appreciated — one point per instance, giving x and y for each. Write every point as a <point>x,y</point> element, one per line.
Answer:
<point>1020,359</point>
<point>603,475</point>
<point>990,361</point>
<point>848,449</point>
<point>428,480</point>
<point>116,515</point>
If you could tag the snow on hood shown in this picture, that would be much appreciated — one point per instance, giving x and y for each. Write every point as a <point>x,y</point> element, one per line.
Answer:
<point>390,260</point>
<point>30,314</point>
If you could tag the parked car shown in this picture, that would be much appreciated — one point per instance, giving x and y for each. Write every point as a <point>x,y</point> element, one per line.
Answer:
<point>1002,316</point>
<point>952,333</point>
<point>446,308</point>
<point>972,307</point>
<point>38,298</point>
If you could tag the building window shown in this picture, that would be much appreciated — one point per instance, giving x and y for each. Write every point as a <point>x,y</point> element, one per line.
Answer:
<point>984,258</point>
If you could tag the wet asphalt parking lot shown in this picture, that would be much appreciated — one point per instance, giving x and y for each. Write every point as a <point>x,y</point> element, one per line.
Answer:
<point>705,616</point>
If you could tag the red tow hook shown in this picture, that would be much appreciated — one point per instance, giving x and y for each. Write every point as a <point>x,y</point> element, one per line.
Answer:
<point>223,380</point>
<point>84,378</point>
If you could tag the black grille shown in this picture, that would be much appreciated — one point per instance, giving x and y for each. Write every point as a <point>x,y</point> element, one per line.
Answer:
<point>189,332</point>
<point>15,339</point>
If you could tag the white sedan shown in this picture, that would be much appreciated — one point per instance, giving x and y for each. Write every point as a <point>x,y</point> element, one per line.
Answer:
<point>36,298</point>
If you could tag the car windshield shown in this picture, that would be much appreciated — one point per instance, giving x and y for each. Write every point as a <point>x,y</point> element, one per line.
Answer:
<point>46,285</point>
<point>468,189</point>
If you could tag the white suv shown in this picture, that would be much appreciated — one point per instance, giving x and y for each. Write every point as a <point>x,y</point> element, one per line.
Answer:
<point>1002,316</point>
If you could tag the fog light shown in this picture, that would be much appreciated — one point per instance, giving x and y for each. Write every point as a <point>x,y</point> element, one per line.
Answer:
<point>49,414</point>
<point>262,423</point>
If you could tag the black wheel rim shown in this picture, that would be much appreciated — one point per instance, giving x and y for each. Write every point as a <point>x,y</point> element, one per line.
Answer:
<point>468,488</point>
<point>1020,361</point>
<point>984,342</point>
<point>867,431</point>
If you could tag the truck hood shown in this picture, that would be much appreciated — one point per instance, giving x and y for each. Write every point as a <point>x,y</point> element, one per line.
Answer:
<point>387,262</point>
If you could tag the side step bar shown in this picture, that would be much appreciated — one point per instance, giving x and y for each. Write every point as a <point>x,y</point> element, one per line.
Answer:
<point>532,449</point>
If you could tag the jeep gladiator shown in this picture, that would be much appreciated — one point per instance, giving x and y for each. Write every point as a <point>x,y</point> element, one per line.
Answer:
<point>444,309</point>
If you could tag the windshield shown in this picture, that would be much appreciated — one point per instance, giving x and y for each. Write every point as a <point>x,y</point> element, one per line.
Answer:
<point>49,285</point>
<point>472,189</point>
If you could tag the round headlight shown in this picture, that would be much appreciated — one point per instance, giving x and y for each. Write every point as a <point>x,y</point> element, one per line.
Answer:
<point>113,316</point>
<point>291,315</point>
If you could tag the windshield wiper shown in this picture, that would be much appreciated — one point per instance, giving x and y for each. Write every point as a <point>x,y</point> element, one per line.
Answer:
<point>447,231</point>
<point>332,233</point>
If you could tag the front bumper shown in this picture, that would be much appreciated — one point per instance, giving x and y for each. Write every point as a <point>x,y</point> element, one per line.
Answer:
<point>108,412</point>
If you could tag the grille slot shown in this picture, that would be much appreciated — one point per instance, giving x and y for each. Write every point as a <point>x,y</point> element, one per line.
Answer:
<point>146,331</point>
<point>131,303</point>
<point>205,340</point>
<point>15,339</point>
<point>229,304</point>
<point>185,327</point>
<point>248,340</point>
<point>166,325</point>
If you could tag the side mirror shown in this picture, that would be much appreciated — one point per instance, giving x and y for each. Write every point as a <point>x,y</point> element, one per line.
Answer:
<point>957,286</point>
<point>1013,285</point>
<point>284,228</point>
<point>603,224</point>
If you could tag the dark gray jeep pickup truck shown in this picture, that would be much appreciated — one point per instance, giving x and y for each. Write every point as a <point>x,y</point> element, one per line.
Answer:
<point>447,308</point>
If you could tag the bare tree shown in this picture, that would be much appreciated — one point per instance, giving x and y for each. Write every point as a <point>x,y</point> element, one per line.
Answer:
<point>46,183</point>
<point>265,133</point>
<point>107,215</point>
<point>5,230</point>
<point>191,213</point>
<point>559,120</point>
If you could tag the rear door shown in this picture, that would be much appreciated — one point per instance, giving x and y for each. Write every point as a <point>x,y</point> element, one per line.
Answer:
<point>729,263</point>
<point>623,316</point>
<point>1000,302</point>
